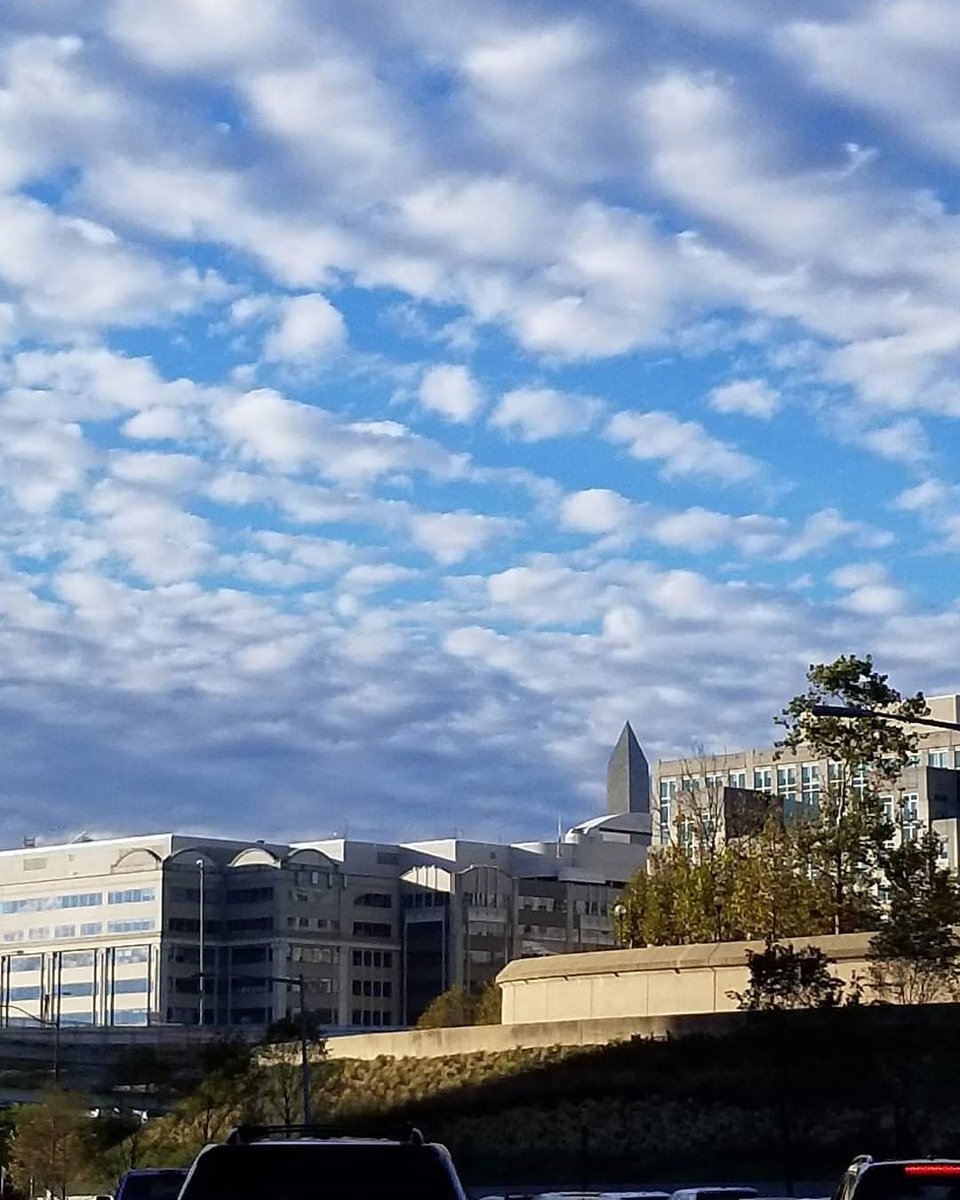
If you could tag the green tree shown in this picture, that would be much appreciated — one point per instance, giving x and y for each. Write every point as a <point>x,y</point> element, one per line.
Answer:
<point>915,955</point>
<point>455,1006</point>
<point>459,1005</point>
<point>48,1152</point>
<point>782,977</point>
<point>845,839</point>
<point>487,1010</point>
<point>748,887</point>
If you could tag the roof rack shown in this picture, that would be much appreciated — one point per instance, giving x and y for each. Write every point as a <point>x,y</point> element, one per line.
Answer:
<point>244,1135</point>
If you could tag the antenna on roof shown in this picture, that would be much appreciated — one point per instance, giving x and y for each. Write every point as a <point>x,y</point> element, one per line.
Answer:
<point>30,842</point>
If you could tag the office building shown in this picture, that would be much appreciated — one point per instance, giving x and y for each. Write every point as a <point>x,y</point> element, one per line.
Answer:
<point>733,787</point>
<point>170,928</point>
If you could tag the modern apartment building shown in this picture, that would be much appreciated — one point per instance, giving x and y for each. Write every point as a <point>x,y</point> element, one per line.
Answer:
<point>179,929</point>
<point>925,794</point>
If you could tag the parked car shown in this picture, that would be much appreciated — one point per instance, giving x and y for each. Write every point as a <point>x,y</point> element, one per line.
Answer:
<point>715,1193</point>
<point>160,1183</point>
<point>292,1162</point>
<point>900,1179</point>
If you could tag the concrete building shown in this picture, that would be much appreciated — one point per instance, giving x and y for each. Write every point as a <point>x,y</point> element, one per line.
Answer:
<point>170,928</point>
<point>726,790</point>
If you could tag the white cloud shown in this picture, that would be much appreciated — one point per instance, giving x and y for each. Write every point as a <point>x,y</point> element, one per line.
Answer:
<point>684,448</point>
<point>309,330</point>
<point>597,510</point>
<point>451,391</point>
<point>66,273</point>
<point>534,414</point>
<point>450,537</point>
<point>869,593</point>
<point>748,397</point>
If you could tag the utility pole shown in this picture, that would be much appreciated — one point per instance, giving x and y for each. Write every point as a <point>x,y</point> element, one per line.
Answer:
<point>201,980</point>
<point>304,1052</point>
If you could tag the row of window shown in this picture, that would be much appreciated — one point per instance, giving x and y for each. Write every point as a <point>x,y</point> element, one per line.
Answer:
<point>372,958</point>
<point>121,987</point>
<point>76,900</point>
<point>371,987</point>
<point>372,929</point>
<point>91,929</point>
<point>315,954</point>
<point>363,1017</point>
<point>313,922</point>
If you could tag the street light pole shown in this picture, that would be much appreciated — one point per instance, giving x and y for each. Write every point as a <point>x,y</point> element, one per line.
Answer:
<point>854,712</point>
<point>300,982</point>
<point>202,1014</point>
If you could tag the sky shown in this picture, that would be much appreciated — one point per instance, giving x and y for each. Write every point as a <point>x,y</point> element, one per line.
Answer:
<point>395,398</point>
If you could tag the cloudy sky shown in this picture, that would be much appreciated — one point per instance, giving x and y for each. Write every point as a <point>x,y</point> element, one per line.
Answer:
<point>397,397</point>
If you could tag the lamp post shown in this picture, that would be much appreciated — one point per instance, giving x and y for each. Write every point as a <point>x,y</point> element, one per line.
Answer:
<point>853,712</point>
<point>301,984</point>
<point>619,912</point>
<point>200,987</point>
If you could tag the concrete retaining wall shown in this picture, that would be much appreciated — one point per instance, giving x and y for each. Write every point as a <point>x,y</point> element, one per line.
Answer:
<point>437,1043</point>
<point>657,981</point>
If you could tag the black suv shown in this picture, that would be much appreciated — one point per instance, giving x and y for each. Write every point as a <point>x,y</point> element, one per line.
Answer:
<point>310,1162</point>
<point>907,1179</point>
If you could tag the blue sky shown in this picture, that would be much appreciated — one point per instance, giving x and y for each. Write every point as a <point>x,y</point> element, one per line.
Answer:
<point>396,398</point>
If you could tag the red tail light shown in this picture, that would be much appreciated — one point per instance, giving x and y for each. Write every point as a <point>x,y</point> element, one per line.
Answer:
<point>932,1169</point>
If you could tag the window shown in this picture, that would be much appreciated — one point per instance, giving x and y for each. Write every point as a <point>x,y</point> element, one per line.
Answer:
<point>374,900</point>
<point>132,896</point>
<point>911,816</point>
<point>737,779</point>
<point>34,864</point>
<point>24,993</point>
<point>92,929</point>
<point>132,954</point>
<point>64,931</point>
<point>763,779</point>
<point>245,924</point>
<point>859,779</point>
<point>787,782</point>
<point>77,958</point>
<point>243,955</point>
<point>38,935</point>
<point>714,784</point>
<point>810,783</point>
<point>131,926</point>
<point>668,793</point>
<point>13,935</point>
<point>68,990</point>
<point>956,759</point>
<point>315,954</point>
<point>130,1016</point>
<point>371,929</point>
<point>51,903</point>
<point>25,964</point>
<point>250,895</point>
<point>123,987</point>
<point>937,758</point>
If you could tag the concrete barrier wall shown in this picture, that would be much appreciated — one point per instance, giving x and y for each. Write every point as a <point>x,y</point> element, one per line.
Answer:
<point>657,981</point>
<point>493,1039</point>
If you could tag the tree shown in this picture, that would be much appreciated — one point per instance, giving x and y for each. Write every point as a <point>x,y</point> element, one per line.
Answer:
<point>459,1005</point>
<point>748,887</point>
<point>48,1152</point>
<point>487,1010</point>
<point>784,978</point>
<point>915,955</point>
<point>845,839</point>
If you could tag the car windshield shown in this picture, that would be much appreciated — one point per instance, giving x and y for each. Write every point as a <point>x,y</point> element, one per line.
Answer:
<point>895,1182</point>
<point>291,1172</point>
<point>159,1185</point>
